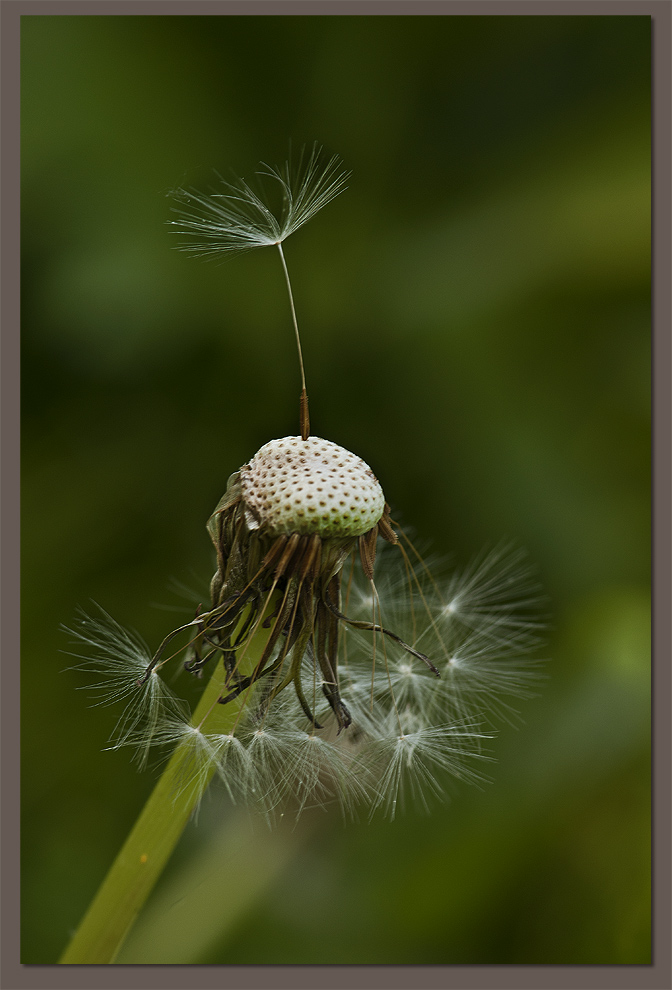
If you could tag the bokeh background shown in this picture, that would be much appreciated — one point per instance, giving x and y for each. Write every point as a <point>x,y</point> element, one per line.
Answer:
<point>476,324</point>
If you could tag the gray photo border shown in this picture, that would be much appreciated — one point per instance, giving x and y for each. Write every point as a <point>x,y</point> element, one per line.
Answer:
<point>657,976</point>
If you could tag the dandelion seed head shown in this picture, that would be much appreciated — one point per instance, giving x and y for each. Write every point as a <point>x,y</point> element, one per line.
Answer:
<point>407,733</point>
<point>310,486</point>
<point>353,672</point>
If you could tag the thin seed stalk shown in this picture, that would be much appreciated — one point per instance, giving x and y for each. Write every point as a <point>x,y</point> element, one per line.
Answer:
<point>155,834</point>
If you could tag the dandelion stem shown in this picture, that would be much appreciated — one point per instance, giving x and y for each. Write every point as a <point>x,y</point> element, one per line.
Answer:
<point>305,425</point>
<point>155,834</point>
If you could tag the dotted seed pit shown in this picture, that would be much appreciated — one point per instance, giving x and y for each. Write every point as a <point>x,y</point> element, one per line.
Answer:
<point>312,486</point>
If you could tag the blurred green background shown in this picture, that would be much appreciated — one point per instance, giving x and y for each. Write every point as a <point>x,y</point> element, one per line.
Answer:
<point>475,312</point>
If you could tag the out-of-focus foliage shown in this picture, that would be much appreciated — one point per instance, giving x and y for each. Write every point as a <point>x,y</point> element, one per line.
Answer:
<point>475,317</point>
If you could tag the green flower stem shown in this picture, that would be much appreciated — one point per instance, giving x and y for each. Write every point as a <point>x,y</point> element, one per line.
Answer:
<point>150,843</point>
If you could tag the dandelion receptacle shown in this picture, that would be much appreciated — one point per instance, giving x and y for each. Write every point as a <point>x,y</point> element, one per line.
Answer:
<point>341,668</point>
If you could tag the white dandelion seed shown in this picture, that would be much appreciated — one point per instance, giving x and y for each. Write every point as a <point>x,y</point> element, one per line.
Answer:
<point>415,761</point>
<point>237,218</point>
<point>235,767</point>
<point>120,657</point>
<point>489,677</point>
<point>195,756</point>
<point>497,596</point>
<point>267,748</point>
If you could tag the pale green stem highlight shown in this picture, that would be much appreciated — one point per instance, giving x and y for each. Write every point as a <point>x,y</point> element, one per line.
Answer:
<point>150,843</point>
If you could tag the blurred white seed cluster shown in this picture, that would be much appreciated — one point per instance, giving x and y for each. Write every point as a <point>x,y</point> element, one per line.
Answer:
<point>411,732</point>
